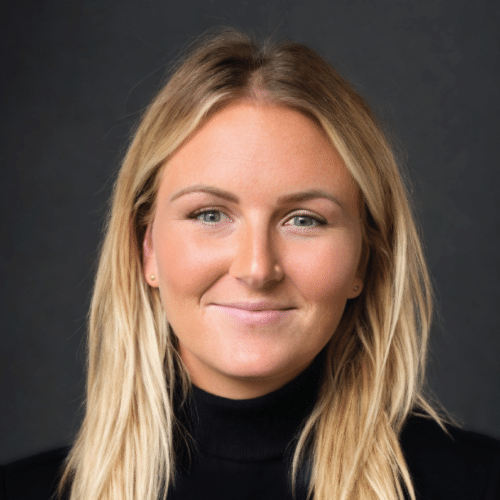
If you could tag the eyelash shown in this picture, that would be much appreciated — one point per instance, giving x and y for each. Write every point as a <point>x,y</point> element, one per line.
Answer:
<point>318,222</point>
<point>198,213</point>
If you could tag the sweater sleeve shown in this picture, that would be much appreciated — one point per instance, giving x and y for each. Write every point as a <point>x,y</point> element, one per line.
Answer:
<point>3,491</point>
<point>460,465</point>
<point>32,478</point>
<point>493,486</point>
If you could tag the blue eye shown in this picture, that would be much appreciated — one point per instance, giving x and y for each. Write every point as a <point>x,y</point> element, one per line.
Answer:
<point>305,221</point>
<point>210,216</point>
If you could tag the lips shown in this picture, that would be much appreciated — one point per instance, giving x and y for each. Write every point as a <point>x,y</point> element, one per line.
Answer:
<point>263,305</point>
<point>255,313</point>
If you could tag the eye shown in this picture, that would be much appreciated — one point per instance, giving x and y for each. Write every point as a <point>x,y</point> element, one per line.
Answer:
<point>306,221</point>
<point>210,216</point>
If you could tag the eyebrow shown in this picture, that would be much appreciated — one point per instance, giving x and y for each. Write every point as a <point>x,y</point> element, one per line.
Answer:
<point>202,188</point>
<point>289,198</point>
<point>310,194</point>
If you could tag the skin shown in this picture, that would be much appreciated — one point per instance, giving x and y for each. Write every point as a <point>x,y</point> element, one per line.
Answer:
<point>213,254</point>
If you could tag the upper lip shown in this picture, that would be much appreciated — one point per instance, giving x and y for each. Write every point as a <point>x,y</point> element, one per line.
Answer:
<point>263,305</point>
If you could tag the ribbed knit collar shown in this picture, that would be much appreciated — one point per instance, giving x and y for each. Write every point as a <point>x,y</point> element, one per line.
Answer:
<point>259,428</point>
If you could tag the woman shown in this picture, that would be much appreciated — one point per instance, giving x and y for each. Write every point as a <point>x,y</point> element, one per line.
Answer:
<point>262,306</point>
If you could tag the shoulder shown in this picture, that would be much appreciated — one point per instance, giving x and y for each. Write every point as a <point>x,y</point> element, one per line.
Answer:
<point>459,465</point>
<point>32,478</point>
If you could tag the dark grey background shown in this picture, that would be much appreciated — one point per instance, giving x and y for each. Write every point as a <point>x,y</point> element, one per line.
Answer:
<point>74,76</point>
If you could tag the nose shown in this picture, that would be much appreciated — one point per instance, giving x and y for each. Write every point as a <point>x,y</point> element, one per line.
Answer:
<point>256,261</point>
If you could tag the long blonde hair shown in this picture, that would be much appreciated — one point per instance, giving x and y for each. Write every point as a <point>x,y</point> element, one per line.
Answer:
<point>376,359</point>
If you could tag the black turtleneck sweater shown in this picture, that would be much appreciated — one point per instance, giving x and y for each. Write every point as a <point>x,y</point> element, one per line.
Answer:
<point>244,447</point>
<point>243,452</point>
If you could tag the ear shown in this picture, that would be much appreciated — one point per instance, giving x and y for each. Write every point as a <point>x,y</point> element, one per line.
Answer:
<point>356,288</point>
<point>359,279</point>
<point>150,268</point>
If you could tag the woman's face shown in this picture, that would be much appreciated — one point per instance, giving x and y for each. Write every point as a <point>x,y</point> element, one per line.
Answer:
<point>255,246</point>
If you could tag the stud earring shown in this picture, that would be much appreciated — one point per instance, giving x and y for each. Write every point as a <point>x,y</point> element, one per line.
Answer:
<point>356,288</point>
<point>153,277</point>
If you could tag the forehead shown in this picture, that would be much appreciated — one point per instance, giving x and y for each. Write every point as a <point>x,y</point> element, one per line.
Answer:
<point>259,147</point>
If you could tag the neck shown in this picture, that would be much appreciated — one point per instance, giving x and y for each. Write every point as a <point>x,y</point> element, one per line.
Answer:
<point>257,428</point>
<point>240,388</point>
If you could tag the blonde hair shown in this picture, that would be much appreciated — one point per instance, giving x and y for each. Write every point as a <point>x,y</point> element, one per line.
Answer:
<point>376,359</point>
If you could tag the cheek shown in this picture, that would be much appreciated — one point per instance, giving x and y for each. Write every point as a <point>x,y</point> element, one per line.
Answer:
<point>185,267</point>
<point>325,272</point>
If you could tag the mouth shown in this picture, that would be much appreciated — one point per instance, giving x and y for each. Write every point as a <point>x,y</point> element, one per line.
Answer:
<point>255,313</point>
<point>263,305</point>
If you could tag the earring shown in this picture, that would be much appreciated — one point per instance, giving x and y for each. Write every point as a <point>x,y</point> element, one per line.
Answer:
<point>153,277</point>
<point>356,288</point>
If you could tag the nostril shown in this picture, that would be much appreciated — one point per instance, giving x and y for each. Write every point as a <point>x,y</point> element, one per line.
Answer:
<point>260,277</point>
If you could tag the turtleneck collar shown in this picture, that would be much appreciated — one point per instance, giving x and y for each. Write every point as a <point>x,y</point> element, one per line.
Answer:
<point>259,428</point>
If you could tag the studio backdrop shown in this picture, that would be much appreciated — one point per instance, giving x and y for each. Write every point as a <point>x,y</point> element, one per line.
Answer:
<point>75,77</point>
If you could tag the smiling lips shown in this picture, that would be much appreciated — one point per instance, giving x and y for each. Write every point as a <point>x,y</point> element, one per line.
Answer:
<point>254,313</point>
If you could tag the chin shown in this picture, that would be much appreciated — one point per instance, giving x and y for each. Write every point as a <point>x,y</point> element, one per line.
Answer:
<point>258,365</point>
